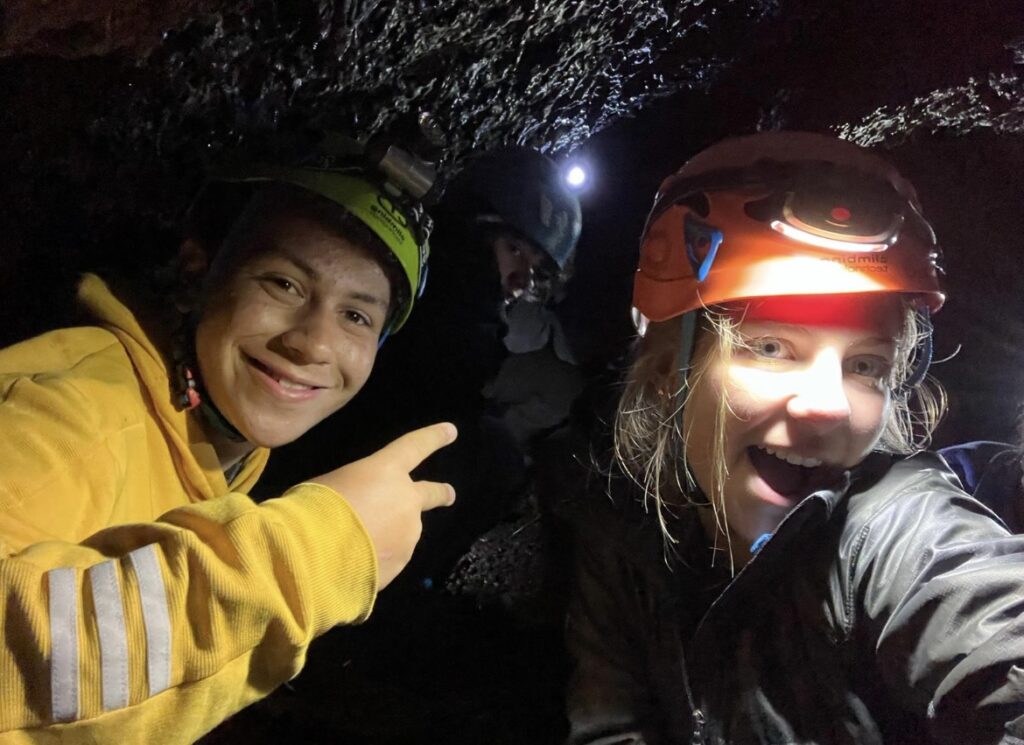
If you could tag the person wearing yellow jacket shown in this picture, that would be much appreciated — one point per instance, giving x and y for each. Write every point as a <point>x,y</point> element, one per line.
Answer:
<point>145,597</point>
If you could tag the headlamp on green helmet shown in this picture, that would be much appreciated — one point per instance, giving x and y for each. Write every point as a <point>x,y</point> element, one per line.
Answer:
<point>384,196</point>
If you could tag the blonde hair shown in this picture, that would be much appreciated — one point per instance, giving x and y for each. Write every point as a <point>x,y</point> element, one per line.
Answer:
<point>649,435</point>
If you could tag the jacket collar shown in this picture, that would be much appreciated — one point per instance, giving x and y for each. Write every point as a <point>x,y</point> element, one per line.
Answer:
<point>819,506</point>
<point>194,456</point>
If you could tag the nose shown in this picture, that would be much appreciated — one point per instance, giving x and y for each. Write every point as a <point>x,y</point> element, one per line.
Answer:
<point>820,397</point>
<point>309,338</point>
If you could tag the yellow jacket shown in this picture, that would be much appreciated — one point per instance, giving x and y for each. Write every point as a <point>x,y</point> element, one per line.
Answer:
<point>145,599</point>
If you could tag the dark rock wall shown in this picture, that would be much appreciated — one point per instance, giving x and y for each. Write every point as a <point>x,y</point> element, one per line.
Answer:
<point>74,29</point>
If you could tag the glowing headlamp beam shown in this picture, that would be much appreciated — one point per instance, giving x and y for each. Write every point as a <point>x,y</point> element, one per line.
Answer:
<point>822,242</point>
<point>576,176</point>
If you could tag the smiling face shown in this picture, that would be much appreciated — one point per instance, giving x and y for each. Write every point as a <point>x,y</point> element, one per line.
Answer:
<point>290,334</point>
<point>808,394</point>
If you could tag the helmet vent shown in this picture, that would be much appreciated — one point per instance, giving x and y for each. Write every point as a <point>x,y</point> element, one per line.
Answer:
<point>698,203</point>
<point>764,210</point>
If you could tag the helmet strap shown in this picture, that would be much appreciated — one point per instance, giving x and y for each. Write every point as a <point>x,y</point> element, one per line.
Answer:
<point>218,421</point>
<point>188,386</point>
<point>926,350</point>
<point>687,338</point>
<point>687,343</point>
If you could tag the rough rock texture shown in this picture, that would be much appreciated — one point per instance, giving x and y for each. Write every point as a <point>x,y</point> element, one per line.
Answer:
<point>104,152</point>
<point>994,102</point>
<point>547,74</point>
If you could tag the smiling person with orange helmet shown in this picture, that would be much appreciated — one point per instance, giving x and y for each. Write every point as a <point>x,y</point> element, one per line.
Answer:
<point>782,563</point>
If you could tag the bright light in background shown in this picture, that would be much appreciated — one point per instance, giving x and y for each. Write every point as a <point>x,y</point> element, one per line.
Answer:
<point>576,176</point>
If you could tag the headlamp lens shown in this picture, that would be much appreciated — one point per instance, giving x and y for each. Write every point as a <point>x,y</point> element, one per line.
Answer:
<point>847,215</point>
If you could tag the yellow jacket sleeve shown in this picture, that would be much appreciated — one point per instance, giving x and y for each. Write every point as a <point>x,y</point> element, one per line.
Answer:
<point>157,632</point>
<point>142,600</point>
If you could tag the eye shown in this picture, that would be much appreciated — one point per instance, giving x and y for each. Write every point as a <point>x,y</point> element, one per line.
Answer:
<point>358,318</point>
<point>769,348</point>
<point>278,285</point>
<point>869,366</point>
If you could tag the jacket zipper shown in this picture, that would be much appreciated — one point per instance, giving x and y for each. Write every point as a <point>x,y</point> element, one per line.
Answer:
<point>697,738</point>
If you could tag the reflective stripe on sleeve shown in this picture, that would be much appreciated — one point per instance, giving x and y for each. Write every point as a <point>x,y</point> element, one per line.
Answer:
<point>155,616</point>
<point>106,595</point>
<point>63,584</point>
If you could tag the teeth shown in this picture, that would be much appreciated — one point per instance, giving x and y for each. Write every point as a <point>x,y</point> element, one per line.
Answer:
<point>285,383</point>
<point>793,458</point>
<point>282,381</point>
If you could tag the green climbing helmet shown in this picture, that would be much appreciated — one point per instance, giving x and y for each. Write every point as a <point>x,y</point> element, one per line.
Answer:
<point>387,211</point>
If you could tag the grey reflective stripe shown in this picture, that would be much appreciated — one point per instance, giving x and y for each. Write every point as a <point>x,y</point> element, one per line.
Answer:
<point>155,616</point>
<point>106,596</point>
<point>63,584</point>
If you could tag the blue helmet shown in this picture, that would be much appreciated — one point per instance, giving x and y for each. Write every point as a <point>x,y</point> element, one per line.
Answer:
<point>524,190</point>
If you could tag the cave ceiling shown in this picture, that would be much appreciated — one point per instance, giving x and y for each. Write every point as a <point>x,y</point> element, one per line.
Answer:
<point>100,92</point>
<point>111,110</point>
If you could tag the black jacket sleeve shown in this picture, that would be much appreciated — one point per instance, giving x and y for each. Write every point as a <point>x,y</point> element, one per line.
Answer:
<point>938,584</point>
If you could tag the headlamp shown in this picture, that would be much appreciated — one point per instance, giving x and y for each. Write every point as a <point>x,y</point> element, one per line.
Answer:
<point>817,204</point>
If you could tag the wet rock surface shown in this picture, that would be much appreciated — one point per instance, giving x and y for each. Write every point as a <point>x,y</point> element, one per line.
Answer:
<point>110,115</point>
<point>545,74</point>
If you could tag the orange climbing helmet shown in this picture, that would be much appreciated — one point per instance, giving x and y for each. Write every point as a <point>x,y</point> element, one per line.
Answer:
<point>783,213</point>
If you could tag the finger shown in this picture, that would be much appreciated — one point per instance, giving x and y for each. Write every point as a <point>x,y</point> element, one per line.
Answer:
<point>435,494</point>
<point>412,448</point>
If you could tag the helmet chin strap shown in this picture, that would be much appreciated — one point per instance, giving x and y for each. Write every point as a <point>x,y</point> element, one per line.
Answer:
<point>188,370</point>
<point>926,352</point>
<point>212,415</point>
<point>687,341</point>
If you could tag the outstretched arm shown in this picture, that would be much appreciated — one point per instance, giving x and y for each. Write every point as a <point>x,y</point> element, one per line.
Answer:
<point>156,632</point>
<point>944,600</point>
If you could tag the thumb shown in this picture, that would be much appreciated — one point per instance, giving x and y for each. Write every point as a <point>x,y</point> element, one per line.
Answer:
<point>435,494</point>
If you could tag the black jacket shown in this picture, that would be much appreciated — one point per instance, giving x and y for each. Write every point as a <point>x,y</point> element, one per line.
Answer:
<point>888,611</point>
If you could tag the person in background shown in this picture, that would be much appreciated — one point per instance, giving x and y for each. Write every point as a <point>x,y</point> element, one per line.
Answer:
<point>146,596</point>
<point>504,236</point>
<point>779,561</point>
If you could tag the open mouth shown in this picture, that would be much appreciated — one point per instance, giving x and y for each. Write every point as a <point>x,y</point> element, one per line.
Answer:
<point>791,475</point>
<point>284,382</point>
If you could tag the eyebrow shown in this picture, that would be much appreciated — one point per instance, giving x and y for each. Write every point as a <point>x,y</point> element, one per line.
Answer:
<point>367,297</point>
<point>875,340</point>
<point>806,330</point>
<point>301,265</point>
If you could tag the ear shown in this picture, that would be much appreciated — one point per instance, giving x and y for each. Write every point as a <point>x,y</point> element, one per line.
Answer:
<point>193,263</point>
